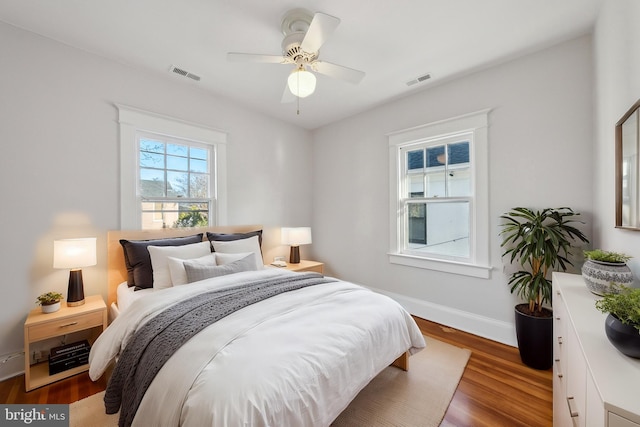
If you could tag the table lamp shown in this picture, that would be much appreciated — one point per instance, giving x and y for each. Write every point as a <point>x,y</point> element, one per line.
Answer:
<point>74,254</point>
<point>295,237</point>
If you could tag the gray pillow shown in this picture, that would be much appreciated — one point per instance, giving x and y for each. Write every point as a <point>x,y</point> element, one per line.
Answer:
<point>197,271</point>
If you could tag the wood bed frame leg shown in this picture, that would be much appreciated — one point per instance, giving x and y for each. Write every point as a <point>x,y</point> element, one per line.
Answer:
<point>402,362</point>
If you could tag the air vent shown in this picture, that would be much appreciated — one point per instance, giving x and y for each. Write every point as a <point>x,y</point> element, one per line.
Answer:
<point>420,79</point>
<point>184,73</point>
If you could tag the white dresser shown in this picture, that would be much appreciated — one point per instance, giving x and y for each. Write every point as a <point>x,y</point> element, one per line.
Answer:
<point>593,383</point>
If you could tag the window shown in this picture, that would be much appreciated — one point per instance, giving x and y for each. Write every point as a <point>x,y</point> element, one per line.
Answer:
<point>173,173</point>
<point>173,182</point>
<point>439,197</point>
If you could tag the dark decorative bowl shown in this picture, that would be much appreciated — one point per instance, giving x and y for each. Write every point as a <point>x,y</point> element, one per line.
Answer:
<point>625,338</point>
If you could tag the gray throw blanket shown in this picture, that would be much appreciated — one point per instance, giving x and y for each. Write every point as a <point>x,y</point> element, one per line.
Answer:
<point>156,341</point>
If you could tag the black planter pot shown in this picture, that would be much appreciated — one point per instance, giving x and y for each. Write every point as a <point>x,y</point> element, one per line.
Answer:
<point>535,338</point>
<point>625,338</point>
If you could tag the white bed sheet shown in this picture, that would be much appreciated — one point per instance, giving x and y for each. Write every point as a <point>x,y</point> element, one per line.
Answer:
<point>296,359</point>
<point>127,295</point>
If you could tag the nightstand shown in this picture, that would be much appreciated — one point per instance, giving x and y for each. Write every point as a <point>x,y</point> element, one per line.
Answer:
<point>91,316</point>
<point>306,265</point>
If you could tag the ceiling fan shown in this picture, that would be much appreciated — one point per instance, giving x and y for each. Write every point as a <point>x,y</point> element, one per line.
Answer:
<point>304,34</point>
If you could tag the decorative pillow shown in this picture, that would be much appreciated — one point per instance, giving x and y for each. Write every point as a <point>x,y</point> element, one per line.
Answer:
<point>138,261</point>
<point>222,258</point>
<point>228,237</point>
<point>197,271</point>
<point>240,245</point>
<point>179,274</point>
<point>160,265</point>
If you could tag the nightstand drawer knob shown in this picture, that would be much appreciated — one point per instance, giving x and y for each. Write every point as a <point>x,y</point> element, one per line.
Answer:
<point>69,324</point>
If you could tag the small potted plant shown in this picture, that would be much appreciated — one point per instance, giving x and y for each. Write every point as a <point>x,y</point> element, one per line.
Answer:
<point>604,268</point>
<point>622,325</point>
<point>49,301</point>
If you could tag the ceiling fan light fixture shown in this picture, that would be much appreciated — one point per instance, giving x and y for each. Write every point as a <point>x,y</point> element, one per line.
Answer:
<point>301,82</point>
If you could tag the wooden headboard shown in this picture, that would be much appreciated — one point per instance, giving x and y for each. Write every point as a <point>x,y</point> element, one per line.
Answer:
<point>116,268</point>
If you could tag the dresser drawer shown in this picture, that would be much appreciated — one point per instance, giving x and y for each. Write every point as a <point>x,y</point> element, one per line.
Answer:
<point>63,326</point>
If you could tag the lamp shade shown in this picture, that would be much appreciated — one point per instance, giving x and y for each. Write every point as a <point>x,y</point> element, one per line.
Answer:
<point>74,253</point>
<point>301,82</point>
<point>296,236</point>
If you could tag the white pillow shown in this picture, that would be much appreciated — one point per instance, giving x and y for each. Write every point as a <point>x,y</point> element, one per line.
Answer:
<point>160,265</point>
<point>251,244</point>
<point>177,271</point>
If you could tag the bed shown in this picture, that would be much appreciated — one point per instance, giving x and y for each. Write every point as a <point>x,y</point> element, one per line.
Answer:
<point>295,356</point>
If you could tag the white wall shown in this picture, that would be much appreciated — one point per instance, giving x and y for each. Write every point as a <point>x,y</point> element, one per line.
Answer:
<point>617,82</point>
<point>540,148</point>
<point>60,163</point>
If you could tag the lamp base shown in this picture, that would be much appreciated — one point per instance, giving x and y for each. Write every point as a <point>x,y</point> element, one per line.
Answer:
<point>294,255</point>
<point>75,291</point>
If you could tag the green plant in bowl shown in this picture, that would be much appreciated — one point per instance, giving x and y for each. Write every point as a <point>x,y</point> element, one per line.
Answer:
<point>606,256</point>
<point>49,298</point>
<point>625,306</point>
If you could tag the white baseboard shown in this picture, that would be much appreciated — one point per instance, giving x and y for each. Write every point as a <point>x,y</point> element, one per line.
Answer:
<point>12,368</point>
<point>482,326</point>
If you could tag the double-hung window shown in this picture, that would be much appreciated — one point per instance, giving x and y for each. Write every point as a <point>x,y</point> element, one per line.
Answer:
<point>173,173</point>
<point>174,178</point>
<point>439,206</point>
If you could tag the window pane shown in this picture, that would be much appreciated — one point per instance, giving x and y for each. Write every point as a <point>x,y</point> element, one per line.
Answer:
<point>199,153</point>
<point>151,145</point>
<point>448,229</point>
<point>199,166</point>
<point>192,215</point>
<point>415,159</point>
<point>459,182</point>
<point>152,183</point>
<point>177,150</point>
<point>458,153</point>
<point>177,163</point>
<point>173,215</point>
<point>435,156</point>
<point>436,183</point>
<point>415,183</point>
<point>177,184</point>
<point>151,160</point>
<point>199,186</point>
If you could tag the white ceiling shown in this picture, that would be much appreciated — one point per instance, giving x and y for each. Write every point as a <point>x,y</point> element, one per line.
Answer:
<point>393,41</point>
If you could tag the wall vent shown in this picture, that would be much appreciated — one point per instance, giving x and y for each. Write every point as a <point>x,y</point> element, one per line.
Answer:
<point>184,73</point>
<point>419,79</point>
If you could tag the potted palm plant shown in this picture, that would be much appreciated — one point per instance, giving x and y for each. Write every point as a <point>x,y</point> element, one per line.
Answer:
<point>540,241</point>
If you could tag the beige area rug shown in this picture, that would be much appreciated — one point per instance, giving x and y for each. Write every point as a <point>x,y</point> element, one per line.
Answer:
<point>395,398</point>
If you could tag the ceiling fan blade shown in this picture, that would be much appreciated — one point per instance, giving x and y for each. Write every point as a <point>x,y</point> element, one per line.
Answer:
<point>320,29</point>
<point>338,72</point>
<point>287,96</point>
<point>251,57</point>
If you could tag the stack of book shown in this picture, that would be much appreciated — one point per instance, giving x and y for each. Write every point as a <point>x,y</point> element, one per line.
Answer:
<point>69,356</point>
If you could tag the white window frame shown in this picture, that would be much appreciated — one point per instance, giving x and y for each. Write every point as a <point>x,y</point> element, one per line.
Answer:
<point>132,121</point>
<point>478,264</point>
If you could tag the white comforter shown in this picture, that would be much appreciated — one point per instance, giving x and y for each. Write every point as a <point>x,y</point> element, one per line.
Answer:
<point>296,359</point>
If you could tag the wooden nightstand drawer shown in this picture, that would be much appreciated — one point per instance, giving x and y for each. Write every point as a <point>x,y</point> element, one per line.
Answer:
<point>67,325</point>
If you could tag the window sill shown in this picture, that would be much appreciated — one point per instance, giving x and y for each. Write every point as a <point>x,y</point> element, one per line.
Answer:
<point>473,270</point>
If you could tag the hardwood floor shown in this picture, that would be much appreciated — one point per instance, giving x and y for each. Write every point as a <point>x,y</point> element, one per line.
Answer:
<point>495,390</point>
